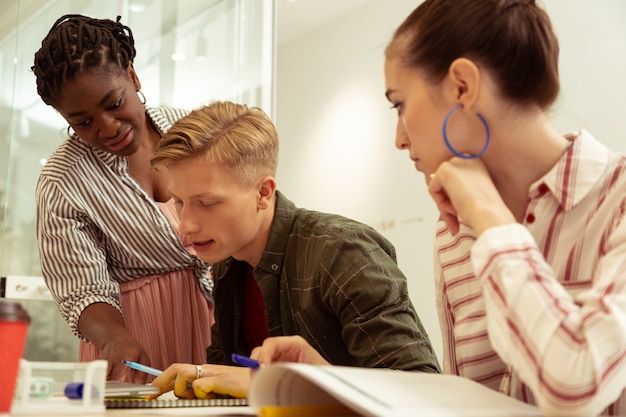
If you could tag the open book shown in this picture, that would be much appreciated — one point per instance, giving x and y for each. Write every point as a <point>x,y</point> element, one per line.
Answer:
<point>380,392</point>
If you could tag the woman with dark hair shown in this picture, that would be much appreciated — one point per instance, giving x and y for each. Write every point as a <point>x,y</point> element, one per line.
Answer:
<point>531,245</point>
<point>106,226</point>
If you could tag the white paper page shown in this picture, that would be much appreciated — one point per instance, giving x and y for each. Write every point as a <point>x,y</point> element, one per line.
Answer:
<point>382,392</point>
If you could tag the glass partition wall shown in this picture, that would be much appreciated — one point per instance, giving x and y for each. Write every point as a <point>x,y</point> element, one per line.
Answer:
<point>189,53</point>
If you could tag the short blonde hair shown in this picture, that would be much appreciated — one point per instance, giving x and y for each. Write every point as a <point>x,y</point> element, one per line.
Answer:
<point>242,138</point>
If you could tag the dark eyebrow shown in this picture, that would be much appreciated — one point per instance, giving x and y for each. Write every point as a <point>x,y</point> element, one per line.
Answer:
<point>106,97</point>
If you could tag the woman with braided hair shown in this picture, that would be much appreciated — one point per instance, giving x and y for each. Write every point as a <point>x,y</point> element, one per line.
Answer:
<point>106,227</point>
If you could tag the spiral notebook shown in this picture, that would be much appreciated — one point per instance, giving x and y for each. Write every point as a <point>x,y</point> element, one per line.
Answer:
<point>173,402</point>
<point>116,389</point>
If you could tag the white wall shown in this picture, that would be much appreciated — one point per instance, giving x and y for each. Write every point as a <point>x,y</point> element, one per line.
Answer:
<point>337,132</point>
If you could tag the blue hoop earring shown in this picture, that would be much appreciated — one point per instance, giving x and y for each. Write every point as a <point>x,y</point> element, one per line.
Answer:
<point>447,141</point>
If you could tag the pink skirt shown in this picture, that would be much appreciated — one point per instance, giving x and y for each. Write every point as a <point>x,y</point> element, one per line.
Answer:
<point>168,315</point>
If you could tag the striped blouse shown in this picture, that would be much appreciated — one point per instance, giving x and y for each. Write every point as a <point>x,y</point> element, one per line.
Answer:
<point>96,227</point>
<point>537,310</point>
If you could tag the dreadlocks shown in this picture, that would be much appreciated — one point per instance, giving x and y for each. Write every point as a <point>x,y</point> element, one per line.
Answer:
<point>76,44</point>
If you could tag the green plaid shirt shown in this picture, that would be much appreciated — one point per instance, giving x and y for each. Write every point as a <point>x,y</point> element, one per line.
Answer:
<point>331,280</point>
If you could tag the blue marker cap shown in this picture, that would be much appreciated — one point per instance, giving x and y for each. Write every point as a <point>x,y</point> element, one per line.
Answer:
<point>74,390</point>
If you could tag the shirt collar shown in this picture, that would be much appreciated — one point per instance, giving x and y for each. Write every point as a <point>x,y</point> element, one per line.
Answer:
<point>274,253</point>
<point>577,172</point>
<point>109,159</point>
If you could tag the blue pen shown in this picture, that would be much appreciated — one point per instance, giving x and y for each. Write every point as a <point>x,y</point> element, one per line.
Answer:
<point>244,361</point>
<point>143,368</point>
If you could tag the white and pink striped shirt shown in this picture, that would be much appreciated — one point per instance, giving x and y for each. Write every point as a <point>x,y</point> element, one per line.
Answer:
<point>537,310</point>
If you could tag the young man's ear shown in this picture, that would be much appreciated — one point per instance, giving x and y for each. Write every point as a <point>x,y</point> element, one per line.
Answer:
<point>267,189</point>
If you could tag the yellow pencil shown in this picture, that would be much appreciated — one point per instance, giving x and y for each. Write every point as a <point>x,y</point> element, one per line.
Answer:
<point>307,411</point>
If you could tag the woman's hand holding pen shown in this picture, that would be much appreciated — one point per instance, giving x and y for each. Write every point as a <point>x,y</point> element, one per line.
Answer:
<point>125,348</point>
<point>104,326</point>
<point>464,191</point>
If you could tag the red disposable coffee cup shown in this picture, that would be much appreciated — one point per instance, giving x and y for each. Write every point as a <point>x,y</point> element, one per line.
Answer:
<point>14,321</point>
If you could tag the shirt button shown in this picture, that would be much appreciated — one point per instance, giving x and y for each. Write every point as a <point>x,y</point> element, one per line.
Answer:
<point>274,267</point>
<point>530,218</point>
<point>543,189</point>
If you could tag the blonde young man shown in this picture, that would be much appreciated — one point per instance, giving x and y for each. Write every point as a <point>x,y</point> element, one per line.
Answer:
<point>278,269</point>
